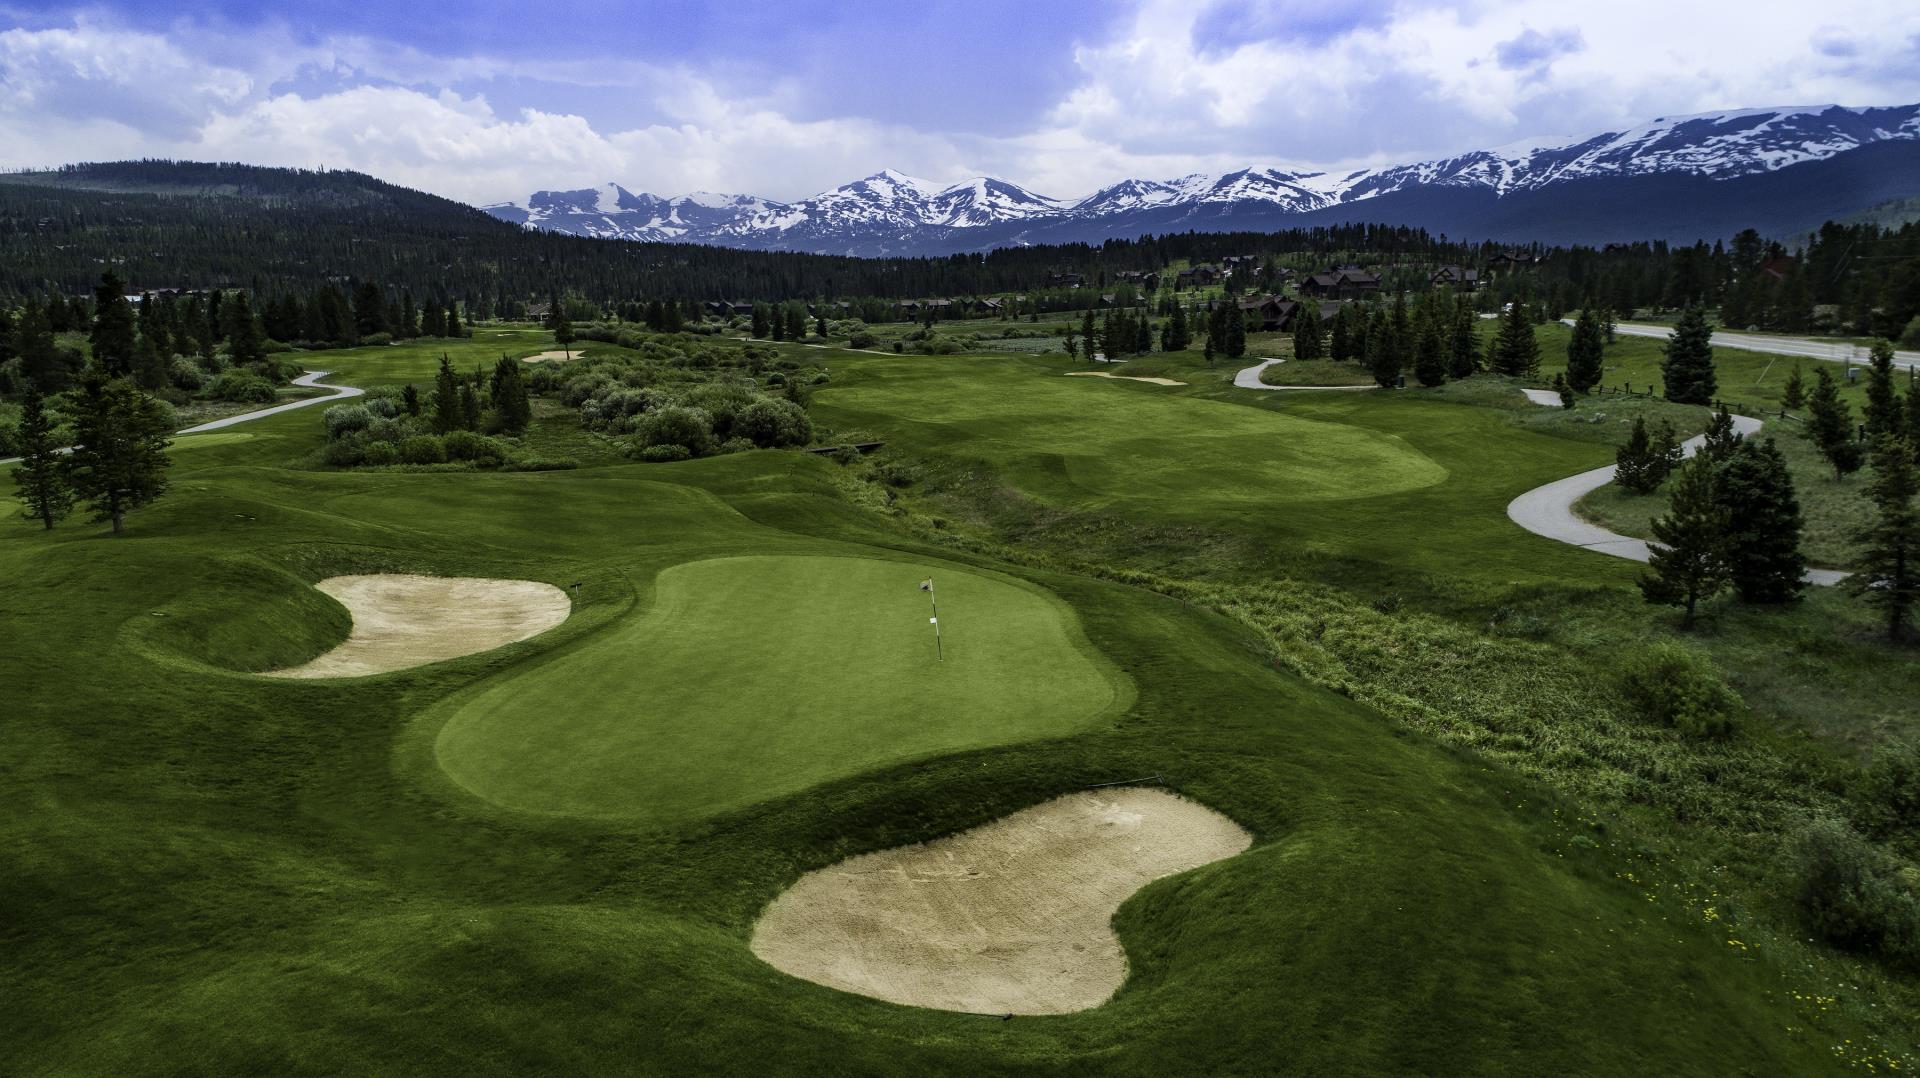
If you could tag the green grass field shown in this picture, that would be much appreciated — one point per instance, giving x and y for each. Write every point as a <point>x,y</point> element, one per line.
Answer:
<point>549,857</point>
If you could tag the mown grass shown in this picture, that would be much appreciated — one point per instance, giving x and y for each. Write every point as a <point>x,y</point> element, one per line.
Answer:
<point>221,873</point>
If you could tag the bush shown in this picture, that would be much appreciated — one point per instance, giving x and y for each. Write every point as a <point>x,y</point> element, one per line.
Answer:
<point>343,454</point>
<point>185,374</point>
<point>466,445</point>
<point>661,454</point>
<point>676,425</point>
<point>1888,800</point>
<point>423,449</point>
<point>1672,686</point>
<point>377,338</point>
<point>241,387</point>
<point>1852,895</point>
<point>863,339</point>
<point>1910,336</point>
<point>380,453</point>
<point>346,419</point>
<point>770,423</point>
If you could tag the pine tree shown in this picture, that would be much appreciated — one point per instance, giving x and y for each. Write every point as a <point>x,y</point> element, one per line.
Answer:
<point>1830,425</point>
<point>1382,358</point>
<point>1179,334</point>
<point>1340,344</point>
<point>244,340</point>
<point>40,360</point>
<point>410,399</point>
<point>563,334</point>
<point>1883,412</point>
<point>113,327</point>
<point>1073,346</point>
<point>447,412</point>
<point>1515,352</point>
<point>1236,332</point>
<point>40,476</point>
<point>1309,339</point>
<point>1889,576</point>
<point>1756,491</point>
<point>1089,335</point>
<point>1429,361</point>
<point>1463,350</point>
<point>433,320</point>
<point>454,329</point>
<point>370,309</point>
<point>1586,353</point>
<point>1563,390</point>
<point>796,322</point>
<point>1687,560</point>
<point>1688,367</point>
<point>409,317</point>
<point>119,459</point>
<point>1647,458</point>
<point>508,392</point>
<point>1794,396</point>
<point>469,407</point>
<point>1721,439</point>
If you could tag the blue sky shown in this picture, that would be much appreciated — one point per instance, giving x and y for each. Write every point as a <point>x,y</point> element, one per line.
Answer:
<point>488,101</point>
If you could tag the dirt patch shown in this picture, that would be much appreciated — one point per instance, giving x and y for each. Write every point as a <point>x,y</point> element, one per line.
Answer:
<point>401,621</point>
<point>1011,917</point>
<point>1124,378</point>
<point>554,357</point>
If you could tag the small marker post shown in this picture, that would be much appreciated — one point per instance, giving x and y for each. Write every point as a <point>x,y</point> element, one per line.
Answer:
<point>927,586</point>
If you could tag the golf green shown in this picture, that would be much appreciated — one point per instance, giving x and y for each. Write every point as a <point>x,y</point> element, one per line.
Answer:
<point>1097,441</point>
<point>754,677</point>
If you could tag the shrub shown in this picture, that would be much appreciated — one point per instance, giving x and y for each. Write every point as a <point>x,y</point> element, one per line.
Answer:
<point>423,449</point>
<point>734,445</point>
<point>863,339</point>
<point>466,445</point>
<point>345,419</point>
<point>385,407</point>
<point>186,374</point>
<point>1672,686</point>
<point>240,386</point>
<point>1888,800</point>
<point>380,453</point>
<point>377,338</point>
<point>676,424</point>
<point>769,424</point>
<point>343,454</point>
<point>1852,895</point>
<point>1910,336</point>
<point>664,453</point>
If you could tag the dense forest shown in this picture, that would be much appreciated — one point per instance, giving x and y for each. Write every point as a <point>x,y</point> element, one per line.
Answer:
<point>279,232</point>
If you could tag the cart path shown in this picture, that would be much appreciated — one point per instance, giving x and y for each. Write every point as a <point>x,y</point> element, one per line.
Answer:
<point>1831,351</point>
<point>1250,379</point>
<point>1548,511</point>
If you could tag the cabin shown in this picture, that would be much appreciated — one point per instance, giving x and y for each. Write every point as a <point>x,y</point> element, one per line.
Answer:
<point>1341,282</point>
<point>988,306</point>
<point>1458,278</point>
<point>1269,314</point>
<point>1066,280</point>
<point>1511,260</point>
<point>1196,277</point>
<point>1147,282</point>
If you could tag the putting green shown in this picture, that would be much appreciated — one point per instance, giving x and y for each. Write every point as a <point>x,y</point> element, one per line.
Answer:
<point>752,677</point>
<point>1097,441</point>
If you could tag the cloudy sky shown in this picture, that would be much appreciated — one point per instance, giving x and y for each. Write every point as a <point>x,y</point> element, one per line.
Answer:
<point>487,101</point>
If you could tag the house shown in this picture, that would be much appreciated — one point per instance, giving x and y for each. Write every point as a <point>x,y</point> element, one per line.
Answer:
<point>1341,282</point>
<point>1458,278</point>
<point>1269,314</point>
<point>1196,277</point>
<point>1511,260</point>
<point>988,306</point>
<point>1145,280</point>
<point>1066,280</point>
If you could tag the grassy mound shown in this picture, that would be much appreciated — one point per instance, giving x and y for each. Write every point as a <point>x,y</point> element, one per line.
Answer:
<point>753,677</point>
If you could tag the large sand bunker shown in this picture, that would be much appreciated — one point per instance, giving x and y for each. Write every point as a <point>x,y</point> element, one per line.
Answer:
<point>1011,917</point>
<point>401,621</point>
<point>1125,378</point>
<point>558,356</point>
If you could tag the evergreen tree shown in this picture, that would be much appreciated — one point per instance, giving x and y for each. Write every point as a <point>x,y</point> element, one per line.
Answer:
<point>1763,523</point>
<point>1072,345</point>
<point>508,392</point>
<point>119,459</point>
<point>454,328</point>
<point>1179,335</point>
<point>433,320</point>
<point>244,340</point>
<point>1830,425</point>
<point>1883,412</point>
<point>1089,334</point>
<point>409,317</point>
<point>1515,351</point>
<point>1721,438</point>
<point>150,371</point>
<point>448,415</point>
<point>113,327</point>
<point>1236,332</point>
<point>1340,343</point>
<point>1309,338</point>
<point>1889,576</point>
<point>1429,359</point>
<point>1563,390</point>
<point>410,399</point>
<point>1688,367</point>
<point>370,309</point>
<point>819,327</point>
<point>40,360</point>
<point>563,334</point>
<point>1586,353</point>
<point>469,407</point>
<point>40,477</point>
<point>796,322</point>
<point>1463,349</point>
<point>1793,396</point>
<point>1383,359</point>
<point>1647,458</point>
<point>1688,558</point>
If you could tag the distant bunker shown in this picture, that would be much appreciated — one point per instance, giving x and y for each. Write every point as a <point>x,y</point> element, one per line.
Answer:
<point>1014,916</point>
<point>401,620</point>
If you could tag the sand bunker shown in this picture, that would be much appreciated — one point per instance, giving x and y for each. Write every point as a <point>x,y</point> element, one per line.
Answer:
<point>1011,917</point>
<point>1124,378</point>
<point>401,621</point>
<point>554,357</point>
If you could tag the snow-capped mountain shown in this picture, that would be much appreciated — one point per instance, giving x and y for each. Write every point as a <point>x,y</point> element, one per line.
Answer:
<point>1683,178</point>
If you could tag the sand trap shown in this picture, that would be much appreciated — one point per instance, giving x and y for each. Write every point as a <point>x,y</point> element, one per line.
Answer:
<point>1545,398</point>
<point>1124,378</point>
<point>401,621</point>
<point>1011,917</point>
<point>554,357</point>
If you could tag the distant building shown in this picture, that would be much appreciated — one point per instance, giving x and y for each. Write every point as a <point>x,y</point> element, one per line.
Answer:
<point>1341,282</point>
<point>1459,278</point>
<point>1269,314</point>
<point>1066,280</point>
<point>1196,277</point>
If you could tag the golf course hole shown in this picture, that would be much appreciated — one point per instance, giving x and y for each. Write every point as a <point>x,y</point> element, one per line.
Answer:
<point>1012,917</point>
<point>403,620</point>
<point>750,678</point>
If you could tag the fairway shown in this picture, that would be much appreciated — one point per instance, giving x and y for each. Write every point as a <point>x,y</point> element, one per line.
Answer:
<point>753,677</point>
<point>1098,441</point>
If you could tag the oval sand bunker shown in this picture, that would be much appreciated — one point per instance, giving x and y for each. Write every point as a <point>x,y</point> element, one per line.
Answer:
<point>1013,916</point>
<point>401,621</point>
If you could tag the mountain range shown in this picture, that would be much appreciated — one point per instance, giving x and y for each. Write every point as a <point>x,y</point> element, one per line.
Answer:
<point>1781,170</point>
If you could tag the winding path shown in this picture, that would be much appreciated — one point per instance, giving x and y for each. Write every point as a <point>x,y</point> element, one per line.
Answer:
<point>1831,351</point>
<point>1548,511</point>
<point>1250,379</point>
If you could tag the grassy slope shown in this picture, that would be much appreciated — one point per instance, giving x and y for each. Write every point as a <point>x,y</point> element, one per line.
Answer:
<point>215,872</point>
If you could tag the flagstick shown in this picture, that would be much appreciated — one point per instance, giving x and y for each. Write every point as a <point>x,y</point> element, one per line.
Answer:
<point>938,655</point>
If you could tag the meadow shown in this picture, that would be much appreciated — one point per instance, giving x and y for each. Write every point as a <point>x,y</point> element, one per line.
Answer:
<point>1307,612</point>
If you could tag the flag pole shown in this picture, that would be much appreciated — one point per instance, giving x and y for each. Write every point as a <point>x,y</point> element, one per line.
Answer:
<point>938,655</point>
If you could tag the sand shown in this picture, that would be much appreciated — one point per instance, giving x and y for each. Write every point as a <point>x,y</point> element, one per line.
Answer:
<point>554,357</point>
<point>401,621</point>
<point>1014,916</point>
<point>1124,378</point>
